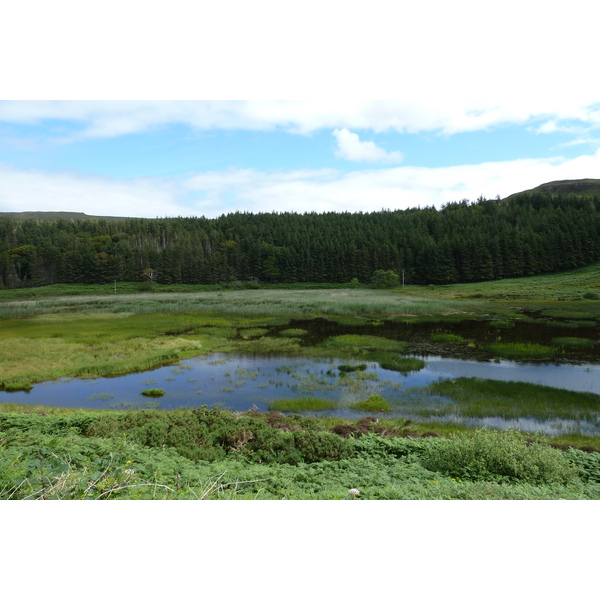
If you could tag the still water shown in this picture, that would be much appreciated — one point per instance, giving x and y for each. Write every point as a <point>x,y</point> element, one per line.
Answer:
<point>240,383</point>
<point>244,382</point>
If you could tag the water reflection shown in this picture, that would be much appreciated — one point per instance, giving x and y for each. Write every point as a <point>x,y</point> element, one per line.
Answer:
<point>578,378</point>
<point>240,383</point>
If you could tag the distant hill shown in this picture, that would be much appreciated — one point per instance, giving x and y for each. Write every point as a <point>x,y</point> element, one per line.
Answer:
<point>566,187</point>
<point>55,216</point>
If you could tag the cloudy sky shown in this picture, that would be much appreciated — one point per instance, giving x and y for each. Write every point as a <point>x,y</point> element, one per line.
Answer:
<point>483,103</point>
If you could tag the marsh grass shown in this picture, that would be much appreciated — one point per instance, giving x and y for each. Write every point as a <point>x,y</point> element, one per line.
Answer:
<point>481,398</point>
<point>252,332</point>
<point>271,302</point>
<point>503,324</point>
<point>302,404</point>
<point>525,351</point>
<point>373,404</point>
<point>48,347</point>
<point>447,337</point>
<point>293,332</point>
<point>575,324</point>
<point>268,346</point>
<point>352,368</point>
<point>582,314</point>
<point>393,362</point>
<point>361,344</point>
<point>153,392</point>
<point>573,342</point>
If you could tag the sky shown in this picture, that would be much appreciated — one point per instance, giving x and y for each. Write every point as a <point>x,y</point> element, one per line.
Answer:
<point>478,103</point>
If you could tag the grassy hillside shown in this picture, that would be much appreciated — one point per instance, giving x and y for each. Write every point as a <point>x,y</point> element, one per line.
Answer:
<point>54,216</point>
<point>567,187</point>
<point>576,284</point>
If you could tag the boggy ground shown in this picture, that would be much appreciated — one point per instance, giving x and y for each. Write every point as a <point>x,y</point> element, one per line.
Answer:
<point>95,333</point>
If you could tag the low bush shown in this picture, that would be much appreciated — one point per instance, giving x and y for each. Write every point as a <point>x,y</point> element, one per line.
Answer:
<point>210,434</point>
<point>504,456</point>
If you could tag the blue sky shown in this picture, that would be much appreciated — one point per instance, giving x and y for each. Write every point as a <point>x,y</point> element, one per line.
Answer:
<point>486,105</point>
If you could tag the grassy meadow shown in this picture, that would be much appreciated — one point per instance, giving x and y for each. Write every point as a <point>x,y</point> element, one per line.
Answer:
<point>91,331</point>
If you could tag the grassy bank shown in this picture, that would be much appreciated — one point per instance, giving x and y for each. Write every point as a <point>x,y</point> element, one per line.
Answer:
<point>209,454</point>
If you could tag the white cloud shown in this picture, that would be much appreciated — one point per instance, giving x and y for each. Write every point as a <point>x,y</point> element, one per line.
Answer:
<point>247,190</point>
<point>403,187</point>
<point>351,148</point>
<point>425,106</point>
<point>34,190</point>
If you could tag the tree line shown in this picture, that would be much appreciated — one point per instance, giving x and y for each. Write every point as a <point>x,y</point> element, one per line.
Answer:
<point>459,243</point>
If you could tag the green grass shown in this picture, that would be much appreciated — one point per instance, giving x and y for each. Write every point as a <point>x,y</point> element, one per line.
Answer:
<point>564,286</point>
<point>153,392</point>
<point>447,337</point>
<point>394,362</point>
<point>253,332</point>
<point>573,342</point>
<point>524,351</point>
<point>363,343</point>
<point>374,404</point>
<point>480,398</point>
<point>503,324</point>
<point>302,404</point>
<point>293,332</point>
<point>291,302</point>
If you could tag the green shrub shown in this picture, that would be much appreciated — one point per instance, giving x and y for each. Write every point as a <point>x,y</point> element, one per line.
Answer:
<point>588,463</point>
<point>206,434</point>
<point>498,456</point>
<point>385,279</point>
<point>316,446</point>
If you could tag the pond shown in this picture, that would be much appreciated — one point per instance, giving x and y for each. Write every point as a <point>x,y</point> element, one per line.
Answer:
<point>243,382</point>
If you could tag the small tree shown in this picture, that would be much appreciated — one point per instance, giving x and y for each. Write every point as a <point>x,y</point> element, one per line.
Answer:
<point>150,274</point>
<point>385,279</point>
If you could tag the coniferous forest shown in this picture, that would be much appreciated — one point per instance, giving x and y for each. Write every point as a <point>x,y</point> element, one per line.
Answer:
<point>462,242</point>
